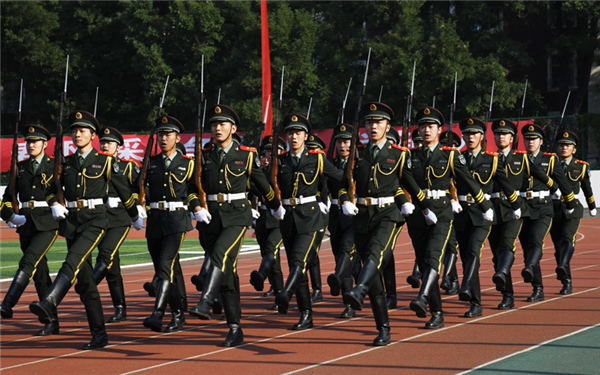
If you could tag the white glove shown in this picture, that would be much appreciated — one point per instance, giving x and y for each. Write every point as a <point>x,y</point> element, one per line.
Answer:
<point>430,217</point>
<point>59,212</point>
<point>407,209</point>
<point>456,207</point>
<point>112,202</point>
<point>556,194</point>
<point>203,216</point>
<point>328,204</point>
<point>192,216</point>
<point>255,214</point>
<point>517,214</point>
<point>142,212</point>
<point>279,213</point>
<point>138,224</point>
<point>324,208</point>
<point>569,211</point>
<point>488,215</point>
<point>349,209</point>
<point>18,220</point>
<point>593,212</point>
<point>10,224</point>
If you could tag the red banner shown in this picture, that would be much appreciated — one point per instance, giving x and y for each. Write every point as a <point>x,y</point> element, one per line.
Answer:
<point>266,67</point>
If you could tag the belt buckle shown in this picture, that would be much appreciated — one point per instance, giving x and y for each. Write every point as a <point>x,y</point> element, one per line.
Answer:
<point>294,201</point>
<point>80,203</point>
<point>161,205</point>
<point>220,197</point>
<point>368,201</point>
<point>31,204</point>
<point>528,195</point>
<point>470,198</point>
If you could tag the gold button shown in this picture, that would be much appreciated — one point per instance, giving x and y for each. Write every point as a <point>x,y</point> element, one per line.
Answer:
<point>312,208</point>
<point>78,185</point>
<point>166,173</point>
<point>32,197</point>
<point>164,196</point>
<point>370,179</point>
<point>164,184</point>
<point>293,206</point>
<point>220,182</point>
<point>243,205</point>
<point>221,170</point>
<point>78,209</point>
<point>220,204</point>
<point>369,191</point>
<point>372,167</point>
<point>33,186</point>
<point>79,174</point>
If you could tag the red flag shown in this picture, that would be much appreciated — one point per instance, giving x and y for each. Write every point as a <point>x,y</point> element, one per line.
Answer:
<point>266,66</point>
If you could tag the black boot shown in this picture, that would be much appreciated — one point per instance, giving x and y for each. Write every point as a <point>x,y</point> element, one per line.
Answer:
<point>233,312</point>
<point>13,294</point>
<point>505,262</point>
<point>52,328</point>
<point>257,278</point>
<point>151,286</point>
<point>470,271</point>
<point>342,270</point>
<point>415,278</point>
<point>198,280</point>
<point>277,287</point>
<point>177,321</point>
<point>476,309</point>
<point>538,287</point>
<point>348,311</point>
<point>380,313</point>
<point>202,310</point>
<point>293,281</point>
<point>180,282</point>
<point>355,296</point>
<point>100,272</point>
<point>435,307</point>
<point>449,266</point>
<point>117,293</point>
<point>566,253</point>
<point>304,305</point>
<point>217,307</point>
<point>46,308</point>
<point>95,316</point>
<point>567,286</point>
<point>315,281</point>
<point>533,259</point>
<point>508,301</point>
<point>389,280</point>
<point>430,279</point>
<point>163,294</point>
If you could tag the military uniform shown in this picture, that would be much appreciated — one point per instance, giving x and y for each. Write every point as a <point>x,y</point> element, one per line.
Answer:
<point>537,224</point>
<point>564,227</point>
<point>85,181</point>
<point>40,230</point>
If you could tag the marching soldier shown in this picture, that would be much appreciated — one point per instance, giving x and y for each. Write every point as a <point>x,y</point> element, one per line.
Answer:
<point>417,139</point>
<point>168,221</point>
<point>377,220</point>
<point>471,224</point>
<point>537,197</point>
<point>564,227</point>
<point>83,222</point>
<point>298,178</point>
<point>35,225</point>
<point>414,279</point>
<point>433,167</point>
<point>227,172</point>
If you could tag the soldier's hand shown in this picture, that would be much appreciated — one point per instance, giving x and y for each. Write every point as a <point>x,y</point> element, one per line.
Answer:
<point>255,214</point>
<point>10,224</point>
<point>349,209</point>
<point>112,202</point>
<point>142,212</point>
<point>203,216</point>
<point>456,207</point>
<point>569,211</point>
<point>488,215</point>
<point>430,217</point>
<point>556,194</point>
<point>593,212</point>
<point>279,213</point>
<point>138,224</point>
<point>59,212</point>
<point>407,209</point>
<point>18,220</point>
<point>324,208</point>
<point>517,214</point>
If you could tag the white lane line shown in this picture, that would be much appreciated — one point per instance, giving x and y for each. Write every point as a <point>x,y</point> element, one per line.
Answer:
<point>529,349</point>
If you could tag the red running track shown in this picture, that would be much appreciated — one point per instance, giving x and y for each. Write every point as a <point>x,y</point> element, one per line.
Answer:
<point>334,345</point>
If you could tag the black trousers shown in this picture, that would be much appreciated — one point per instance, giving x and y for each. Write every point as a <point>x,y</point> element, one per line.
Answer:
<point>165,255</point>
<point>342,241</point>
<point>270,243</point>
<point>34,263</point>
<point>564,229</point>
<point>430,243</point>
<point>108,252</point>
<point>301,248</point>
<point>471,239</point>
<point>533,233</point>
<point>223,247</point>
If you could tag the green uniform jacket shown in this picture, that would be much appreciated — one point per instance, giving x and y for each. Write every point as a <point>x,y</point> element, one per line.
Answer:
<point>32,187</point>
<point>578,173</point>
<point>90,181</point>
<point>266,220</point>
<point>381,178</point>
<point>337,220</point>
<point>117,217</point>
<point>303,181</point>
<point>239,168</point>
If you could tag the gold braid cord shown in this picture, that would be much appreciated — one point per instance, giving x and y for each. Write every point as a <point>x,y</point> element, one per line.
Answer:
<point>298,174</point>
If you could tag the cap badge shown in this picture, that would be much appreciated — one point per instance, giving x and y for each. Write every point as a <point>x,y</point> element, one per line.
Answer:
<point>343,128</point>
<point>31,129</point>
<point>470,121</point>
<point>502,123</point>
<point>311,138</point>
<point>271,139</point>
<point>217,109</point>
<point>294,118</point>
<point>426,111</point>
<point>373,107</point>
<point>165,120</point>
<point>78,116</point>
<point>530,128</point>
<point>106,131</point>
<point>566,135</point>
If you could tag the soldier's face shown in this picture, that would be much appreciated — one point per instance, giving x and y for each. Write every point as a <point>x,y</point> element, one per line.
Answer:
<point>532,145</point>
<point>167,141</point>
<point>473,140</point>
<point>109,147</point>
<point>566,150</point>
<point>296,139</point>
<point>82,136</point>
<point>222,130</point>
<point>430,132</point>
<point>418,144</point>
<point>503,140</point>
<point>343,147</point>
<point>376,129</point>
<point>35,148</point>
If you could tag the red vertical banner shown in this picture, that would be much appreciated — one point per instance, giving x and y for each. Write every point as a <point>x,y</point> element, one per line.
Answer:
<point>266,66</point>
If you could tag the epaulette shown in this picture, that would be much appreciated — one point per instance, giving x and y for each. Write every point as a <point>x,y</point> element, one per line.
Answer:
<point>50,157</point>
<point>520,152</point>
<point>246,148</point>
<point>491,153</point>
<point>549,153</point>
<point>449,148</point>
<point>284,153</point>
<point>188,157</point>
<point>209,147</point>
<point>581,161</point>
<point>400,147</point>
<point>316,151</point>
<point>361,145</point>
<point>104,153</point>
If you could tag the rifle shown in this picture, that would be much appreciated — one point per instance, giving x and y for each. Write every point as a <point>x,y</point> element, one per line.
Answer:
<point>275,146</point>
<point>96,102</point>
<point>144,171</point>
<point>380,93</point>
<point>433,102</point>
<point>341,118</point>
<point>353,143</point>
<point>219,97</point>
<point>14,171</point>
<point>449,141</point>
<point>515,145</point>
<point>309,105</point>
<point>59,157</point>
<point>198,143</point>
<point>560,124</point>
<point>406,125</point>
<point>488,115</point>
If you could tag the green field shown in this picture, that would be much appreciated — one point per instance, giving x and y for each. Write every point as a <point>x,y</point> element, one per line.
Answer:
<point>132,252</point>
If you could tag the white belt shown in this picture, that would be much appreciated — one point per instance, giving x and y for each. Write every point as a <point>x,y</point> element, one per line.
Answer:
<point>164,205</point>
<point>436,194</point>
<point>334,201</point>
<point>501,194</point>
<point>535,194</point>
<point>380,202</point>
<point>469,198</point>
<point>33,204</point>
<point>300,200</point>
<point>225,197</point>
<point>81,203</point>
